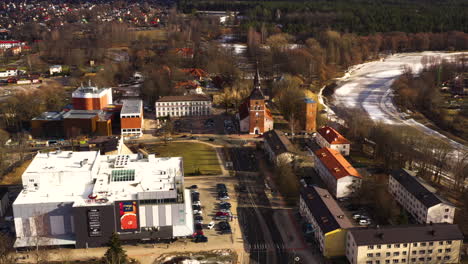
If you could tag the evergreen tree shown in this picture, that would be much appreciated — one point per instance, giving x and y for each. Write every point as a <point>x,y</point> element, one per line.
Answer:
<point>115,254</point>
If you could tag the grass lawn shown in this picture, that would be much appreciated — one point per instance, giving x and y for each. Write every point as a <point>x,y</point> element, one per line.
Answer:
<point>14,177</point>
<point>197,156</point>
<point>153,34</point>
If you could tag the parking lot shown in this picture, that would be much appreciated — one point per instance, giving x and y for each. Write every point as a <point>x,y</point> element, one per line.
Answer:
<point>210,205</point>
<point>359,215</point>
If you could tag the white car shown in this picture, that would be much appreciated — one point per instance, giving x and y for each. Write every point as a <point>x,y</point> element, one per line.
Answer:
<point>197,212</point>
<point>224,198</point>
<point>211,225</point>
<point>197,203</point>
<point>364,222</point>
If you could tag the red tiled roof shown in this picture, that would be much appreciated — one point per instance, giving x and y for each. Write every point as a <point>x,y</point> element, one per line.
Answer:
<point>187,85</point>
<point>9,41</point>
<point>196,72</point>
<point>336,164</point>
<point>332,136</point>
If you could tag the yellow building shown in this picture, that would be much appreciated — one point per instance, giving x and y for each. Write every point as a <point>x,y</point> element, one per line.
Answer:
<point>328,221</point>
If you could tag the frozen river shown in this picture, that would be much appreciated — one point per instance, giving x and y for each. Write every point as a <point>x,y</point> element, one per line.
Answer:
<point>368,86</point>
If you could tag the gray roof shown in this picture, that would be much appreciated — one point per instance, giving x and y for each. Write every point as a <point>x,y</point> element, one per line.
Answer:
<point>414,186</point>
<point>81,114</point>
<point>405,234</point>
<point>131,106</point>
<point>50,116</point>
<point>278,142</point>
<point>324,209</point>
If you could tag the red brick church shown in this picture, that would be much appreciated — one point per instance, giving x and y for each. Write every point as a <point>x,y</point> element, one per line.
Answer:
<point>254,115</point>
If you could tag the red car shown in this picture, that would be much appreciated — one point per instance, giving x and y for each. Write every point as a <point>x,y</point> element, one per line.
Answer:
<point>198,233</point>
<point>222,214</point>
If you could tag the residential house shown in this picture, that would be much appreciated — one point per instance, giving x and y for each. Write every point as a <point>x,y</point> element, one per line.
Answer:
<point>416,196</point>
<point>328,137</point>
<point>278,147</point>
<point>412,244</point>
<point>11,72</point>
<point>55,69</point>
<point>341,178</point>
<point>329,223</point>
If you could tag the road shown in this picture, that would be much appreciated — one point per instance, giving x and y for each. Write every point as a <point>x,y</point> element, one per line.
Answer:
<point>271,234</point>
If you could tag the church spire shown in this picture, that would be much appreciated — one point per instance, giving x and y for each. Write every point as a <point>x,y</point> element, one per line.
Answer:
<point>257,77</point>
<point>257,93</point>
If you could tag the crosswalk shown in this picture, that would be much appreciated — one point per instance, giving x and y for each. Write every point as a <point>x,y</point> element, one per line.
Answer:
<point>265,246</point>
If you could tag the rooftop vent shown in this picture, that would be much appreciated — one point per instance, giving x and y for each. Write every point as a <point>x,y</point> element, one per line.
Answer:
<point>336,169</point>
<point>340,216</point>
<point>328,131</point>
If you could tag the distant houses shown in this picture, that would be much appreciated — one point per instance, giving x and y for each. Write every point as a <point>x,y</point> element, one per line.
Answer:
<point>328,137</point>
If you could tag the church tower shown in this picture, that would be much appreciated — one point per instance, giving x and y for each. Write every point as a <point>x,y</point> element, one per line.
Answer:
<point>257,107</point>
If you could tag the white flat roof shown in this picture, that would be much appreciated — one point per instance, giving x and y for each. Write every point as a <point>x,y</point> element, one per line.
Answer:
<point>65,176</point>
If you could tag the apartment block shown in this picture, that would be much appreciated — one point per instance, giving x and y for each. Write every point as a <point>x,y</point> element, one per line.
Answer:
<point>131,118</point>
<point>416,244</point>
<point>419,199</point>
<point>329,223</point>
<point>180,106</point>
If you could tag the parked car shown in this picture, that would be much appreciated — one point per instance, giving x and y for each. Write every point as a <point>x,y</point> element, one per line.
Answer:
<point>198,217</point>
<point>225,227</point>
<point>364,222</point>
<point>221,213</point>
<point>224,197</point>
<point>196,203</point>
<point>200,239</point>
<point>221,187</point>
<point>194,187</point>
<point>198,227</point>
<point>211,225</point>
<point>197,212</point>
<point>196,207</point>
<point>221,217</point>
<point>225,206</point>
<point>225,210</point>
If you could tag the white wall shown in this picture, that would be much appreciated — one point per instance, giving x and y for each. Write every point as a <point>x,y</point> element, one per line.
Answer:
<point>344,186</point>
<point>441,213</point>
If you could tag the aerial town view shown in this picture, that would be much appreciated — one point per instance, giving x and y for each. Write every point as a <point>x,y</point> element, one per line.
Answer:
<point>234,132</point>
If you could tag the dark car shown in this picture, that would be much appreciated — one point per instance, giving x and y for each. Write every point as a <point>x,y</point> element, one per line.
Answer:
<point>200,239</point>
<point>196,207</point>
<point>222,194</point>
<point>198,227</point>
<point>211,139</point>
<point>224,227</point>
<point>221,186</point>
<point>225,206</point>
<point>194,187</point>
<point>198,217</point>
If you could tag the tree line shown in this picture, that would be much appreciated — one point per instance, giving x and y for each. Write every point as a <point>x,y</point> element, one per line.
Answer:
<point>358,16</point>
<point>422,93</point>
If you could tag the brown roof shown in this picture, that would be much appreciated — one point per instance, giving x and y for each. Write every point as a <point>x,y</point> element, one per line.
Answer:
<point>336,164</point>
<point>192,97</point>
<point>332,136</point>
<point>405,234</point>
<point>278,142</point>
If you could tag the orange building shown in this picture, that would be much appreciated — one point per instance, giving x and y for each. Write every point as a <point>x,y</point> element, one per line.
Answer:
<point>254,115</point>
<point>308,120</point>
<point>131,118</point>
<point>91,98</point>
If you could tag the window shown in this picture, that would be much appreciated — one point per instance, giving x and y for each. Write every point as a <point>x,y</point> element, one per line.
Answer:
<point>429,259</point>
<point>397,245</point>
<point>370,255</point>
<point>387,261</point>
<point>413,252</point>
<point>378,246</point>
<point>370,247</point>
<point>377,262</point>
<point>429,251</point>
<point>413,259</point>
<point>445,216</point>
<point>431,243</point>
<point>422,251</point>
<point>447,250</point>
<point>446,210</point>
<point>395,254</point>
<point>368,262</point>
<point>446,257</point>
<point>415,244</point>
<point>122,175</point>
<point>377,254</point>
<point>441,243</point>
<point>439,258</point>
<point>405,245</point>
<point>396,261</point>
<point>440,250</point>
<point>449,242</point>
<point>421,259</point>
<point>423,244</point>
<point>388,254</point>
<point>403,260</point>
<point>389,246</point>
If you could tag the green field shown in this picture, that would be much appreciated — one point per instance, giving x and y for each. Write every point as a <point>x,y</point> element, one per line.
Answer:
<point>199,159</point>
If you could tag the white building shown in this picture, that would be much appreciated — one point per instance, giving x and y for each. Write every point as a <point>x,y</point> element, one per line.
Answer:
<point>9,73</point>
<point>8,44</point>
<point>327,137</point>
<point>81,198</point>
<point>329,223</point>
<point>278,147</point>
<point>180,106</point>
<point>341,178</point>
<point>419,199</point>
<point>55,69</point>
<point>413,244</point>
